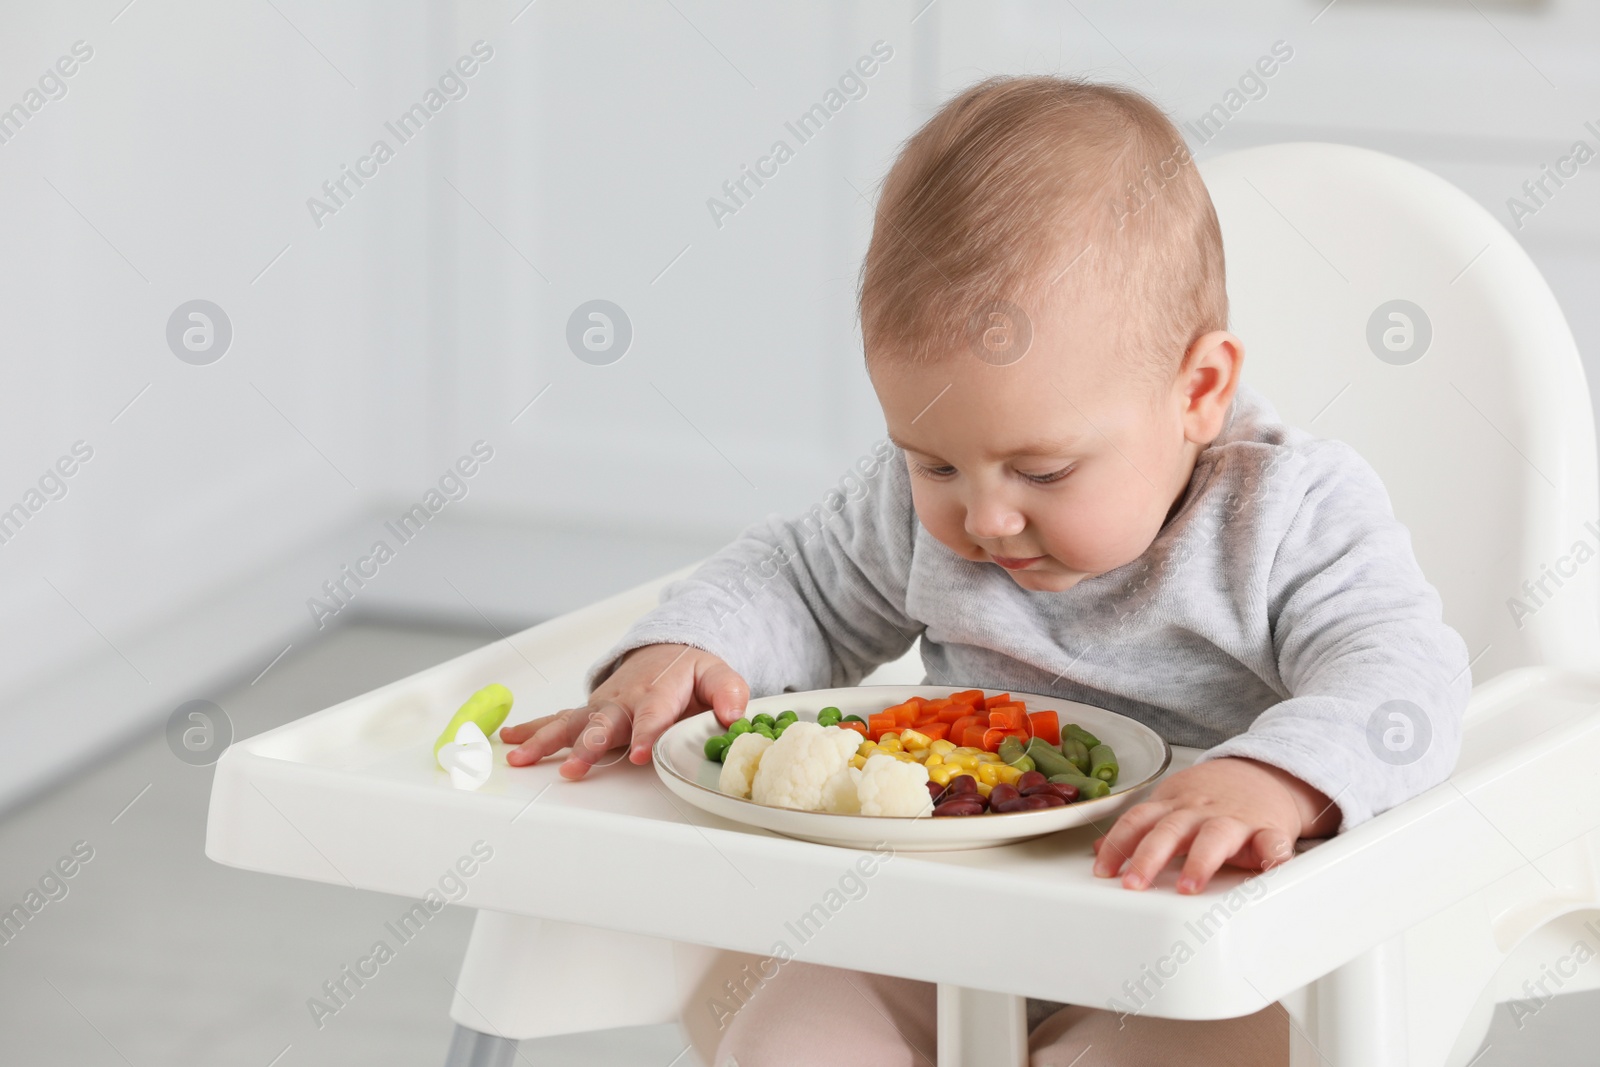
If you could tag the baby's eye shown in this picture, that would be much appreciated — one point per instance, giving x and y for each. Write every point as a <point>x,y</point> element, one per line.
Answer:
<point>1053,476</point>
<point>926,471</point>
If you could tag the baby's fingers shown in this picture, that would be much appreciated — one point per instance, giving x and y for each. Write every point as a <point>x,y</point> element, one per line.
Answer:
<point>1160,843</point>
<point>1214,844</point>
<point>1114,849</point>
<point>655,712</point>
<point>537,738</point>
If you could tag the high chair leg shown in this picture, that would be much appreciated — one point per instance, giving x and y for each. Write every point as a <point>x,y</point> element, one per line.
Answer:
<point>469,1048</point>
<point>978,1028</point>
<point>1354,1016</point>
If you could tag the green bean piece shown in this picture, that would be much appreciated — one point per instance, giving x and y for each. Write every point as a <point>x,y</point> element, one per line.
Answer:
<point>1088,788</point>
<point>1047,759</point>
<point>1077,752</point>
<point>740,726</point>
<point>1025,764</point>
<point>1011,751</point>
<point>1103,764</point>
<point>717,746</point>
<point>1072,729</point>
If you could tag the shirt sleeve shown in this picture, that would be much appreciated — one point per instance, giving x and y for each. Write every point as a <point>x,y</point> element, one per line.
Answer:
<point>1378,681</point>
<point>811,602</point>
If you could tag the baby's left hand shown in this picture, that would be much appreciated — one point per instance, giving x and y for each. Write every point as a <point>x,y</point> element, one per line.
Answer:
<point>1231,810</point>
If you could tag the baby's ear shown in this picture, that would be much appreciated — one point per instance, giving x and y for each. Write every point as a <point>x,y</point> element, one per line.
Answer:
<point>1209,378</point>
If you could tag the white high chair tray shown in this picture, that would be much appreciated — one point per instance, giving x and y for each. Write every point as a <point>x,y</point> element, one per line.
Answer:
<point>350,796</point>
<point>680,759</point>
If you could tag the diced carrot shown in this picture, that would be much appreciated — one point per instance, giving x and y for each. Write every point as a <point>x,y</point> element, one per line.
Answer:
<point>917,702</point>
<point>958,728</point>
<point>1008,717</point>
<point>996,700</point>
<point>904,715</point>
<point>936,731</point>
<point>858,727</point>
<point>937,705</point>
<point>955,711</point>
<point>880,724</point>
<point>994,735</point>
<point>1046,725</point>
<point>968,696</point>
<point>972,736</point>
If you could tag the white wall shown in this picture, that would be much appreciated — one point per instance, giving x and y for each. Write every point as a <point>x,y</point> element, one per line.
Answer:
<point>427,312</point>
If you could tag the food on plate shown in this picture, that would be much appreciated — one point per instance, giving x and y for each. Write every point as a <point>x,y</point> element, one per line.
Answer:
<point>739,765</point>
<point>1088,788</point>
<point>793,769</point>
<point>488,708</point>
<point>891,787</point>
<point>964,754</point>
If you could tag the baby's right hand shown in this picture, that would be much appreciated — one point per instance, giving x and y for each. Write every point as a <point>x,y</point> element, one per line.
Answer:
<point>651,688</point>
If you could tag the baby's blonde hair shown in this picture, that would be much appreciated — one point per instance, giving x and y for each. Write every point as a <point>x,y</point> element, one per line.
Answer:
<point>1034,189</point>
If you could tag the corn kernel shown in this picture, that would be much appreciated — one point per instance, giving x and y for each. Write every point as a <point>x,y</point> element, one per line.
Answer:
<point>1007,773</point>
<point>904,757</point>
<point>985,788</point>
<point>964,760</point>
<point>858,762</point>
<point>866,748</point>
<point>968,750</point>
<point>990,757</point>
<point>989,773</point>
<point>943,747</point>
<point>913,739</point>
<point>890,743</point>
<point>942,773</point>
<point>933,760</point>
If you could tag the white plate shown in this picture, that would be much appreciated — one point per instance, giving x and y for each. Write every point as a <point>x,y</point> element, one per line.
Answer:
<point>1142,757</point>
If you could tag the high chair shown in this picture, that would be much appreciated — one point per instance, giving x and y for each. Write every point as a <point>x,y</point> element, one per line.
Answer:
<point>604,902</point>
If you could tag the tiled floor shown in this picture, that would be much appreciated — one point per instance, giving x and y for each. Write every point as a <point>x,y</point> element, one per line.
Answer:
<point>155,955</point>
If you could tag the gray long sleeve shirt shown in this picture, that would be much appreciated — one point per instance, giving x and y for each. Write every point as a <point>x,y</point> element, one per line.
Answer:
<point>1279,614</point>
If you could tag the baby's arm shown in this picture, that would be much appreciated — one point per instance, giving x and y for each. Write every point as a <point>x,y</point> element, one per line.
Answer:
<point>1378,684</point>
<point>803,603</point>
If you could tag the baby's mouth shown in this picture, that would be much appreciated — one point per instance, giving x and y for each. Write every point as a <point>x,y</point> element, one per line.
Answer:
<point>1012,563</point>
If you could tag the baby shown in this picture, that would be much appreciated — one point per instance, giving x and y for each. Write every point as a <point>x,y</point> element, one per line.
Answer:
<point>1082,500</point>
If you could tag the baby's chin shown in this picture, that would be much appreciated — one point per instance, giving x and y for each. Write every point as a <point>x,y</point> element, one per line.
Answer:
<point>1046,576</point>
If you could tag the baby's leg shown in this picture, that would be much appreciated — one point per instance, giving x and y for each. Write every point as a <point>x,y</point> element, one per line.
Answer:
<point>1259,1040</point>
<point>813,1016</point>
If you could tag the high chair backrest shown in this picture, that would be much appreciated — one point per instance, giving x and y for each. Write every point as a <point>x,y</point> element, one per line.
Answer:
<point>1380,305</point>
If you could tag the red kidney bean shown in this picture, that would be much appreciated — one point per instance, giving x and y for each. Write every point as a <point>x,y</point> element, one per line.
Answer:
<point>1031,780</point>
<point>963,783</point>
<point>1050,800</point>
<point>958,806</point>
<point>1039,803</point>
<point>935,790</point>
<point>1068,793</point>
<point>1002,807</point>
<point>1002,792</point>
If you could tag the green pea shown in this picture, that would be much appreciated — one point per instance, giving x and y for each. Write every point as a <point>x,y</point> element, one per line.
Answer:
<point>740,726</point>
<point>829,716</point>
<point>852,718</point>
<point>764,730</point>
<point>789,716</point>
<point>764,719</point>
<point>717,746</point>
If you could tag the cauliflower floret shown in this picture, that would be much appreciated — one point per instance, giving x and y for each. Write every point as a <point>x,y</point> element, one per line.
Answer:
<point>792,774</point>
<point>739,763</point>
<point>839,792</point>
<point>893,787</point>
